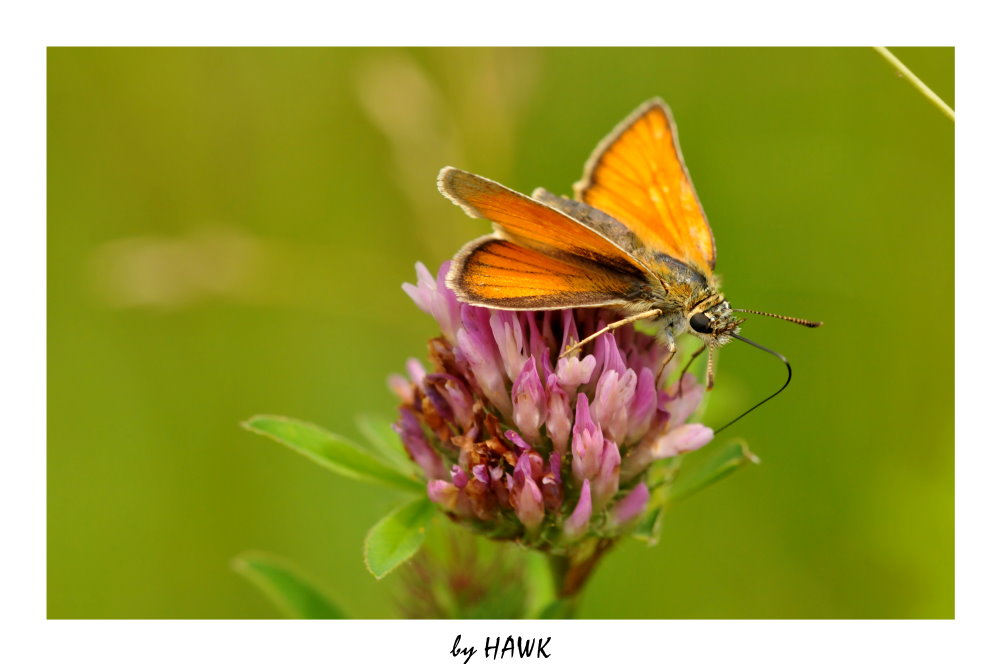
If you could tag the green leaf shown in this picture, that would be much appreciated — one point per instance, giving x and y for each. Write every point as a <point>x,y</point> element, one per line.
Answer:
<point>331,451</point>
<point>398,536</point>
<point>648,530</point>
<point>286,588</point>
<point>731,457</point>
<point>385,441</point>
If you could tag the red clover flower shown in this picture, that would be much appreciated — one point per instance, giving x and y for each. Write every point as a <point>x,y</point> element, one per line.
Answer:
<point>522,446</point>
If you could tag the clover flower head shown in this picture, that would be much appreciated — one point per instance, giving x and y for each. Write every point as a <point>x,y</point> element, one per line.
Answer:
<point>521,444</point>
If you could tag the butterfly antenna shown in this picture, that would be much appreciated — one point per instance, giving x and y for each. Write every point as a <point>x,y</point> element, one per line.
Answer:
<point>760,403</point>
<point>790,319</point>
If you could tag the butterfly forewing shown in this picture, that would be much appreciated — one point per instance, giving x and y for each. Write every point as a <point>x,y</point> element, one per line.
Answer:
<point>540,257</point>
<point>530,223</point>
<point>637,176</point>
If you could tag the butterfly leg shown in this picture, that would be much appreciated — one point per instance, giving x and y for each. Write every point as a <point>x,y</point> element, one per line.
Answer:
<point>652,313</point>
<point>694,356</point>
<point>710,374</point>
<point>671,351</point>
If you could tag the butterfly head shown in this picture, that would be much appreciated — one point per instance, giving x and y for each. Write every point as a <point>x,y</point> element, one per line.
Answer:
<point>713,321</point>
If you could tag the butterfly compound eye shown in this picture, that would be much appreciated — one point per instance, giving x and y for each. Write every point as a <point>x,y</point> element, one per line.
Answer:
<point>701,323</point>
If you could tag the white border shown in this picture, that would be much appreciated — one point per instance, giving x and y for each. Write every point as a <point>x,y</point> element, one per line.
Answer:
<point>509,23</point>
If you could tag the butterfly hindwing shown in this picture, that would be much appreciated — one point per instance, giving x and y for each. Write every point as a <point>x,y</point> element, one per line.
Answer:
<point>497,273</point>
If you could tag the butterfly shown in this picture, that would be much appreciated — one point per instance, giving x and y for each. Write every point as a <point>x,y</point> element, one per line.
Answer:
<point>635,239</point>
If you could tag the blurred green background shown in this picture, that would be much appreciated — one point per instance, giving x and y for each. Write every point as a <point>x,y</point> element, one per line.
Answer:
<point>229,229</point>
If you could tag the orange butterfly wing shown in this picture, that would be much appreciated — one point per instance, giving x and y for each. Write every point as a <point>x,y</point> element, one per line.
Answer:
<point>530,223</point>
<point>497,273</point>
<point>637,175</point>
<point>540,258</point>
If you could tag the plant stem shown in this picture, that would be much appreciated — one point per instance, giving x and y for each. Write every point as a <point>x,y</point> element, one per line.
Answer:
<point>570,573</point>
<point>560,567</point>
<point>905,72</point>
